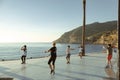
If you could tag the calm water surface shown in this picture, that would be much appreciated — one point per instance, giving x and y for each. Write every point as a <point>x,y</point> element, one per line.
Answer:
<point>9,51</point>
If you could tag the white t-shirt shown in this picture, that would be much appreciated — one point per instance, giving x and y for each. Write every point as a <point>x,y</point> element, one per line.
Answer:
<point>25,53</point>
<point>68,51</point>
<point>80,49</point>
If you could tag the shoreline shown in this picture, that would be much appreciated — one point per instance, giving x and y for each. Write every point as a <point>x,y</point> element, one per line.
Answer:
<point>2,60</point>
<point>30,58</point>
<point>11,51</point>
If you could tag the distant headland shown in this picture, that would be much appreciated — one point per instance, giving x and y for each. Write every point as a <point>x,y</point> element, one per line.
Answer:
<point>96,33</point>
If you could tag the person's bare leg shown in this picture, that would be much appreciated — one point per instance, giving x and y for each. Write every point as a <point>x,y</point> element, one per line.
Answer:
<point>107,64</point>
<point>110,64</point>
<point>24,60</point>
<point>80,56</point>
<point>51,68</point>
<point>67,60</point>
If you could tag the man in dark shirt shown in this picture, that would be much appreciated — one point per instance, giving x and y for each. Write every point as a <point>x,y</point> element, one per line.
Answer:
<point>52,59</point>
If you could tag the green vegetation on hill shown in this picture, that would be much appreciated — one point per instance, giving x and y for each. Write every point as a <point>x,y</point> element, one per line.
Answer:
<point>93,32</point>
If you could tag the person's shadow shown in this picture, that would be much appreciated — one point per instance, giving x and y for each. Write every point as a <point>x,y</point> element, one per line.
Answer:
<point>111,74</point>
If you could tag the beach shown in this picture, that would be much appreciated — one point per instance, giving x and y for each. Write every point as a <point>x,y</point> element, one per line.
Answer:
<point>90,67</point>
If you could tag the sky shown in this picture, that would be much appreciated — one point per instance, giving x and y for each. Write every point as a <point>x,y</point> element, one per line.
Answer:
<point>47,20</point>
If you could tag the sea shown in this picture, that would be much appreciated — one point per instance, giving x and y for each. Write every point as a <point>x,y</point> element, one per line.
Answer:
<point>12,51</point>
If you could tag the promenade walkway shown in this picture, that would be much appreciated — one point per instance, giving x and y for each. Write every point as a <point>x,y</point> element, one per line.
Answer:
<point>90,67</point>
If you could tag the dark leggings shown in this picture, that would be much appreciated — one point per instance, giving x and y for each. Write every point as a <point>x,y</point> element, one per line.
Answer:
<point>52,59</point>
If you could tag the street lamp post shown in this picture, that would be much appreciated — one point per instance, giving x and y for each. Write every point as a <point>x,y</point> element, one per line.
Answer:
<point>83,28</point>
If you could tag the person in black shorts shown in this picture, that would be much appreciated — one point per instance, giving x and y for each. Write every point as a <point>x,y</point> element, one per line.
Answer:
<point>52,58</point>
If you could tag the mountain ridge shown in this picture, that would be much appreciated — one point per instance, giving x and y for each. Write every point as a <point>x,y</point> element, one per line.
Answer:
<point>93,32</point>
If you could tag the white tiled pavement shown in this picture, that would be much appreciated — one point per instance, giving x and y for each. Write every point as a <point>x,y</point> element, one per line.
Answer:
<point>90,67</point>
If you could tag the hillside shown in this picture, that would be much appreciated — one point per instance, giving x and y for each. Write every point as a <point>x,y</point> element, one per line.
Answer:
<point>93,34</point>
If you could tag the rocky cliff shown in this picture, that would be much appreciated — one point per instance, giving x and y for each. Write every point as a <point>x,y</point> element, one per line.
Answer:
<point>97,33</point>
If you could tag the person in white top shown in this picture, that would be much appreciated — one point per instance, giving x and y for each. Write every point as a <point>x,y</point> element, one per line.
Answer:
<point>80,51</point>
<point>23,57</point>
<point>68,54</point>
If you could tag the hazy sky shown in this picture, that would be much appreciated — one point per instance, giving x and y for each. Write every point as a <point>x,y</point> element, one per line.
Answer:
<point>47,20</point>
